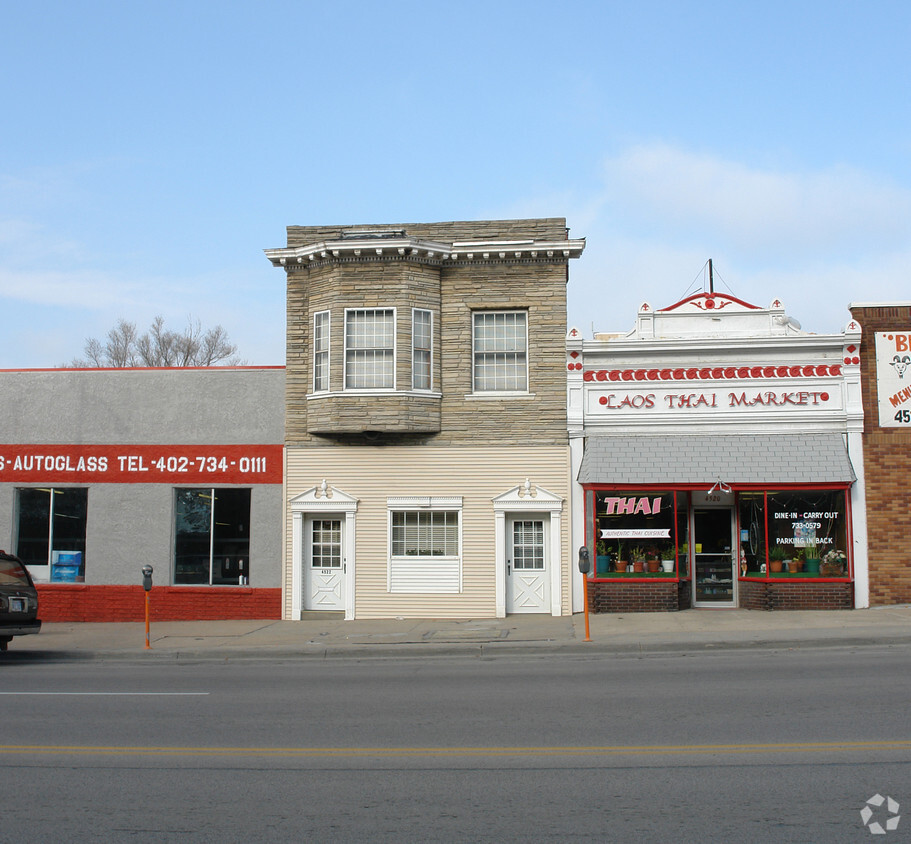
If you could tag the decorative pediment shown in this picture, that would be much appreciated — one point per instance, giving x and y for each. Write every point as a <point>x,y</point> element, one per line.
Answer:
<point>527,497</point>
<point>713,303</point>
<point>323,497</point>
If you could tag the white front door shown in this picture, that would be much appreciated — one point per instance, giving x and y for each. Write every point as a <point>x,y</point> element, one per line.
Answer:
<point>324,565</point>
<point>527,577</point>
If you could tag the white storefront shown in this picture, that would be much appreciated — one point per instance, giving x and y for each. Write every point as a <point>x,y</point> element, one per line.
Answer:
<point>721,440</point>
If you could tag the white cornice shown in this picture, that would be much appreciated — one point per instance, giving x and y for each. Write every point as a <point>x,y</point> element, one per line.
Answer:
<point>426,251</point>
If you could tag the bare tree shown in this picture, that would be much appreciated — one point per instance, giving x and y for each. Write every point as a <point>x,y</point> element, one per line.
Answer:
<point>159,346</point>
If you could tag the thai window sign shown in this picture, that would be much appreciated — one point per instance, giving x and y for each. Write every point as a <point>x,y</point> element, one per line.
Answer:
<point>893,378</point>
<point>633,527</point>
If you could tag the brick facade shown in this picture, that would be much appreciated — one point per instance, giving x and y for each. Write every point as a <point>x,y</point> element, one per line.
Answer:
<point>636,596</point>
<point>887,466</point>
<point>670,596</point>
<point>755,595</point>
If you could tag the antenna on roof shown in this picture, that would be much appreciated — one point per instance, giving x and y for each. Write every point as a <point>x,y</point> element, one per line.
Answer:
<point>711,278</point>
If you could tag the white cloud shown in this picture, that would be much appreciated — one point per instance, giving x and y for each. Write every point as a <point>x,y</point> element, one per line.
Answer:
<point>760,212</point>
<point>818,241</point>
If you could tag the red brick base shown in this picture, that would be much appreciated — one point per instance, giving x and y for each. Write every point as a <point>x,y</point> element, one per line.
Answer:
<point>634,596</point>
<point>755,595</point>
<point>669,596</point>
<point>58,602</point>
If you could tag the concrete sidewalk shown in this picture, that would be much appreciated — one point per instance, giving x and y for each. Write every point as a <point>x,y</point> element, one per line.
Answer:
<point>328,636</point>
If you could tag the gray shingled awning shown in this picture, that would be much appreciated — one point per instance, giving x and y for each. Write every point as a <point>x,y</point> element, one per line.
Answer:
<point>741,459</point>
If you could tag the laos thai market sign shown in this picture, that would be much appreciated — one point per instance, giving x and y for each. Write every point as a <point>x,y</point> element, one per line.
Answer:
<point>146,464</point>
<point>714,390</point>
<point>893,378</point>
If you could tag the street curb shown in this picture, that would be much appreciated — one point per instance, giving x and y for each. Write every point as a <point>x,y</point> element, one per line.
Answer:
<point>474,650</point>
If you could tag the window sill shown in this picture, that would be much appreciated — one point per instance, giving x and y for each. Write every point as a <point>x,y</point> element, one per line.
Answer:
<point>330,394</point>
<point>491,395</point>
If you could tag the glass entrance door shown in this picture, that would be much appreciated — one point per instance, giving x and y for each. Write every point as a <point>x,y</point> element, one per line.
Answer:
<point>714,575</point>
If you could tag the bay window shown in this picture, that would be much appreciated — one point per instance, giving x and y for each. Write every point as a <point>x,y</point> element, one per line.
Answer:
<point>320,351</point>
<point>421,349</point>
<point>370,349</point>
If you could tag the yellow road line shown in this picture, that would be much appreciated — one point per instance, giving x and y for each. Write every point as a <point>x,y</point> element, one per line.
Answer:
<point>404,752</point>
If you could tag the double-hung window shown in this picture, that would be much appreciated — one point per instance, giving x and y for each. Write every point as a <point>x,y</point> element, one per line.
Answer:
<point>499,351</point>
<point>320,351</point>
<point>370,349</point>
<point>425,545</point>
<point>421,349</point>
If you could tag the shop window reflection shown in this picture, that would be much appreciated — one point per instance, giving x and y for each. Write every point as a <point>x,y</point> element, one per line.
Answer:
<point>50,536</point>
<point>636,533</point>
<point>212,536</point>
<point>794,534</point>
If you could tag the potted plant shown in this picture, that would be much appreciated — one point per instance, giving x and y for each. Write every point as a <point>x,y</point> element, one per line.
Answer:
<point>833,563</point>
<point>638,557</point>
<point>796,562</point>
<point>620,559</point>
<point>652,560</point>
<point>776,559</point>
<point>811,557</point>
<point>602,557</point>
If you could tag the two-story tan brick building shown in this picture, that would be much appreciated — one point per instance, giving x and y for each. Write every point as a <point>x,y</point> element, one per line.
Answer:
<point>427,457</point>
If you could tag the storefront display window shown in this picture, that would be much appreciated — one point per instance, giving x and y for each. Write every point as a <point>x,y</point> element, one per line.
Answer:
<point>51,532</point>
<point>794,534</point>
<point>636,533</point>
<point>212,536</point>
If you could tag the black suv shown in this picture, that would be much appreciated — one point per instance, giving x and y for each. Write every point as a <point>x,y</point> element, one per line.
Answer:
<point>18,600</point>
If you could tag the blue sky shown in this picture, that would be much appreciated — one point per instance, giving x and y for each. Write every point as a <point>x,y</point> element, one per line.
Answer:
<point>150,152</point>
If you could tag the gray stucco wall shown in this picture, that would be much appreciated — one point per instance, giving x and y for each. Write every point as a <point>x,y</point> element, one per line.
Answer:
<point>128,525</point>
<point>151,406</point>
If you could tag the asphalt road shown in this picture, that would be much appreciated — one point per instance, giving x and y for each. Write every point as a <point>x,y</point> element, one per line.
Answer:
<point>741,746</point>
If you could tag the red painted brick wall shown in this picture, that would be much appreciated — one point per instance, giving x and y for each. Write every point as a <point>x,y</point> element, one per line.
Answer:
<point>59,602</point>
<point>887,466</point>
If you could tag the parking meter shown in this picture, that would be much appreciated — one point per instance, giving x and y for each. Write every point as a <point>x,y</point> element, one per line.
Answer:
<point>585,560</point>
<point>147,578</point>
